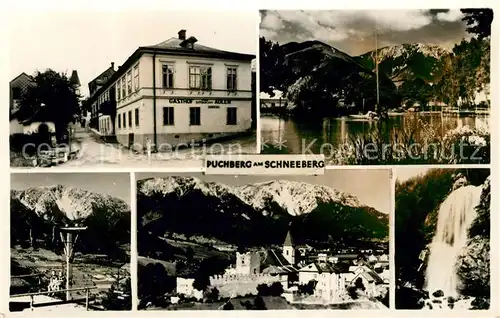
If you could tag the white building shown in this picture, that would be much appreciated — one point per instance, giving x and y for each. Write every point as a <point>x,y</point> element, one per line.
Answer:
<point>177,92</point>
<point>331,283</point>
<point>185,287</point>
<point>275,101</point>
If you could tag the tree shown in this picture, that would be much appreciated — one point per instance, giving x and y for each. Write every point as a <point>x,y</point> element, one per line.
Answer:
<point>478,21</point>
<point>213,294</point>
<point>263,290</point>
<point>276,289</point>
<point>57,94</point>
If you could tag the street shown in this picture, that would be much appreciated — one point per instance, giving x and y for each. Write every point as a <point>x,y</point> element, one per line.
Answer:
<point>95,152</point>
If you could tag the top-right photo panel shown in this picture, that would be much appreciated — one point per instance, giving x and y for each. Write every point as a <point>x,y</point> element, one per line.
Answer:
<point>377,87</point>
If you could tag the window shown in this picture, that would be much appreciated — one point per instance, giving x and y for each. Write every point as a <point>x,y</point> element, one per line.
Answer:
<point>231,79</point>
<point>118,91</point>
<point>232,120</point>
<point>16,92</point>
<point>194,116</point>
<point>124,93</point>
<point>168,116</point>
<point>136,77</point>
<point>119,121</point>
<point>200,77</point>
<point>167,76</point>
<point>137,117</point>
<point>130,118</point>
<point>129,82</point>
<point>124,120</point>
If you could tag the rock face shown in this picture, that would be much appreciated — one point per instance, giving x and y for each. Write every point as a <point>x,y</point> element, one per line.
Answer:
<point>37,213</point>
<point>256,213</point>
<point>474,267</point>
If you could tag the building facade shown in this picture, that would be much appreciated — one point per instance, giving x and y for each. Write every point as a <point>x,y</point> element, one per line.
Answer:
<point>179,91</point>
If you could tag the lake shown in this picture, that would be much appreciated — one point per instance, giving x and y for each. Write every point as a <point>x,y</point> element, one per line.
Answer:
<point>331,132</point>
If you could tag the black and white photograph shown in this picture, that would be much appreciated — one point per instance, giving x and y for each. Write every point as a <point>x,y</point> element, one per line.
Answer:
<point>442,239</point>
<point>70,242</point>
<point>139,88</point>
<point>367,87</point>
<point>208,242</point>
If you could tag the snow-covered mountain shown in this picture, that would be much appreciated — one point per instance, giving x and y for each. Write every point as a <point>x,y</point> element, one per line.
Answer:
<point>296,198</point>
<point>75,204</point>
<point>254,214</point>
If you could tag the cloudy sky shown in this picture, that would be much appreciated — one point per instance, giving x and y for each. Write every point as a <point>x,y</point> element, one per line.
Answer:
<point>352,31</point>
<point>372,187</point>
<point>89,41</point>
<point>114,184</point>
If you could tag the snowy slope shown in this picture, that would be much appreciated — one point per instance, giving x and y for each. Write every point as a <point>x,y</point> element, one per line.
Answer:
<point>295,197</point>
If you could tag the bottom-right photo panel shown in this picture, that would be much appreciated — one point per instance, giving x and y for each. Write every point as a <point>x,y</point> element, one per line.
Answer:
<point>442,238</point>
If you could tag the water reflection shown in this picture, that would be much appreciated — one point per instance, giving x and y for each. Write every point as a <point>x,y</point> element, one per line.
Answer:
<point>334,131</point>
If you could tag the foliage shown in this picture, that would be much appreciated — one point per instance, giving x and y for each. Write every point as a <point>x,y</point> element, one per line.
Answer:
<point>111,300</point>
<point>308,289</point>
<point>275,289</point>
<point>259,303</point>
<point>416,142</point>
<point>212,294</point>
<point>154,281</point>
<point>478,21</point>
<point>482,223</point>
<point>228,306</point>
<point>59,96</point>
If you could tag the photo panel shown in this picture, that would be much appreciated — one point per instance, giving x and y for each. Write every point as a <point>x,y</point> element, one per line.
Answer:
<point>209,242</point>
<point>370,87</point>
<point>166,93</point>
<point>70,242</point>
<point>442,238</point>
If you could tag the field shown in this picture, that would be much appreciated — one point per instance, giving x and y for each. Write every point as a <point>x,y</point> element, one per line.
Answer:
<point>88,270</point>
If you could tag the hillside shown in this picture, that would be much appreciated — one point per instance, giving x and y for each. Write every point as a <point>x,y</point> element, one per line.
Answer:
<point>320,79</point>
<point>38,212</point>
<point>406,62</point>
<point>256,214</point>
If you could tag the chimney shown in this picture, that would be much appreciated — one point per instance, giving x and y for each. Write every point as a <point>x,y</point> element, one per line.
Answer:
<point>182,34</point>
<point>113,65</point>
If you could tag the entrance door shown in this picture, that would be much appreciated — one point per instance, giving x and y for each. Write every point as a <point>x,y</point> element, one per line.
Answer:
<point>130,140</point>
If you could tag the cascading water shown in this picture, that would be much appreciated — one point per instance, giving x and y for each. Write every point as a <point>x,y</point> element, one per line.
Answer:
<point>455,216</point>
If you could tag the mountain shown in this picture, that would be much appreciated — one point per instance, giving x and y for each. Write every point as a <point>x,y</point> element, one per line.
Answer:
<point>255,214</point>
<point>320,79</point>
<point>38,212</point>
<point>406,62</point>
<point>70,203</point>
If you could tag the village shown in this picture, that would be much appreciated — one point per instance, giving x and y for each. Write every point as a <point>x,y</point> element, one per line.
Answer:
<point>290,277</point>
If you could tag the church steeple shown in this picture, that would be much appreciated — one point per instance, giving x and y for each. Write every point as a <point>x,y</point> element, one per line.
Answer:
<point>289,249</point>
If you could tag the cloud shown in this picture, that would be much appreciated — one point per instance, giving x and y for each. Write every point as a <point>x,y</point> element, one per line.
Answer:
<point>353,31</point>
<point>450,16</point>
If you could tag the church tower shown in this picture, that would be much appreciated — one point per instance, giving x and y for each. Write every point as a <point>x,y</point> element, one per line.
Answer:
<point>289,249</point>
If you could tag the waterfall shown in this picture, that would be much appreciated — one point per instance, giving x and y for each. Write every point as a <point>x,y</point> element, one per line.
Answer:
<point>455,216</point>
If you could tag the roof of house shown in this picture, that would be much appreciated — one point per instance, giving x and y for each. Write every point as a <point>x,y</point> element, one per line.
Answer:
<point>322,267</point>
<point>371,277</point>
<point>172,47</point>
<point>106,73</point>
<point>275,263</point>
<point>74,79</point>
<point>22,74</point>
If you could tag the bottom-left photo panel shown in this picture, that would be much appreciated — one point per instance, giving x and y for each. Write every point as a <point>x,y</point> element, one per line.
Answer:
<point>70,242</point>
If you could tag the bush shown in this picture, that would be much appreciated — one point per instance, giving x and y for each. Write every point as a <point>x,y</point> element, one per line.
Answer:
<point>228,306</point>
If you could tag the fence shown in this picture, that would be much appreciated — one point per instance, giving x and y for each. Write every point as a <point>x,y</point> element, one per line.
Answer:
<point>32,295</point>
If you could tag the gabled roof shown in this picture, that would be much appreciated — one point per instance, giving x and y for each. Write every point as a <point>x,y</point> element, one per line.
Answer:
<point>74,79</point>
<point>288,239</point>
<point>370,276</point>
<point>22,74</point>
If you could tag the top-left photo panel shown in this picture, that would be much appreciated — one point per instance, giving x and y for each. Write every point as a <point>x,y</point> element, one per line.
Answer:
<point>131,89</point>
